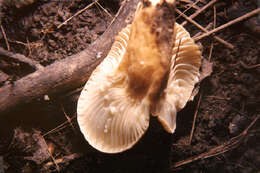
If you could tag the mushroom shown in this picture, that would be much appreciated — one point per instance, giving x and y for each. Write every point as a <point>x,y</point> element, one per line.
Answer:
<point>150,69</point>
<point>184,74</point>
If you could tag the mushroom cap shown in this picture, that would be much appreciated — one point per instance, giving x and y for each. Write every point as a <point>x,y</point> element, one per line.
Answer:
<point>110,119</point>
<point>184,74</point>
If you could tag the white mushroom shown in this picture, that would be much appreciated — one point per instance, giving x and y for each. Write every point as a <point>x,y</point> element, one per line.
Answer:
<point>130,84</point>
<point>110,119</point>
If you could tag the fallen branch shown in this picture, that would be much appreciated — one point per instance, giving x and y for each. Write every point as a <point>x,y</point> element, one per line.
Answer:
<point>67,74</point>
<point>229,145</point>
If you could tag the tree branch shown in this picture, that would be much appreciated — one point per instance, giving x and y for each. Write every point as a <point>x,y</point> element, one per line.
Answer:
<point>66,74</point>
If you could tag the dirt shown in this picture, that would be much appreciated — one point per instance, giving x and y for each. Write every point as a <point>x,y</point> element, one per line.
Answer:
<point>35,30</point>
<point>230,97</point>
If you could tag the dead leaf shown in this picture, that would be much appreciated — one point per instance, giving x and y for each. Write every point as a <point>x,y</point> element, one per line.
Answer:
<point>31,144</point>
<point>206,69</point>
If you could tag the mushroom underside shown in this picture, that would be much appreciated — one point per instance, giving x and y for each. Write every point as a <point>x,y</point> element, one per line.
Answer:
<point>111,120</point>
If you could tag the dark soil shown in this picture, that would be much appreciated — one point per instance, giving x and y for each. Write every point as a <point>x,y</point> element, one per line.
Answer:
<point>230,97</point>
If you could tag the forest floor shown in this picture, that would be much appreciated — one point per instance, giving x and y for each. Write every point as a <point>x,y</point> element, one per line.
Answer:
<point>43,136</point>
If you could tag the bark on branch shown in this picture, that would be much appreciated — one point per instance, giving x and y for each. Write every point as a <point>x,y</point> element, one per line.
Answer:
<point>66,74</point>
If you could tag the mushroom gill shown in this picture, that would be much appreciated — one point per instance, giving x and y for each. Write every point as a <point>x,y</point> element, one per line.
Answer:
<point>146,72</point>
<point>184,74</point>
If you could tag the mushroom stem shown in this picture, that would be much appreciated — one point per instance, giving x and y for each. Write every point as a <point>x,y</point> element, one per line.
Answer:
<point>149,49</point>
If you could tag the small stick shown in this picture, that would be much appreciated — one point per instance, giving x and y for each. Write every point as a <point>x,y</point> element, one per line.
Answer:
<point>18,42</point>
<point>205,30</point>
<point>210,51</point>
<point>59,127</point>
<point>6,41</point>
<point>239,19</point>
<point>218,97</point>
<point>21,58</point>
<point>215,18</point>
<point>226,146</point>
<point>188,9</point>
<point>53,159</point>
<point>209,26</point>
<point>80,11</point>
<point>190,2</point>
<point>96,2</point>
<point>118,12</point>
<point>194,119</point>
<point>64,159</point>
<point>3,77</point>
<point>67,117</point>
<point>26,44</point>
<point>199,11</point>
<point>203,1</point>
<point>214,26</point>
<point>249,67</point>
<point>29,46</point>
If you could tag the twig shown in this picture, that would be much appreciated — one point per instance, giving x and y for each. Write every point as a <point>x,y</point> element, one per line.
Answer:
<point>210,51</point>
<point>64,159</point>
<point>118,12</point>
<point>6,41</point>
<point>188,9</point>
<point>59,127</point>
<point>29,46</point>
<point>67,117</point>
<point>32,44</point>
<point>194,119</point>
<point>199,11</point>
<point>203,1</point>
<point>214,26</point>
<point>80,11</point>
<point>96,2</point>
<point>215,18</point>
<point>218,97</point>
<point>249,67</point>
<point>209,26</point>
<point>3,77</point>
<point>239,19</point>
<point>70,93</point>
<point>50,154</point>
<point>229,145</point>
<point>21,58</point>
<point>190,2</point>
<point>205,30</point>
